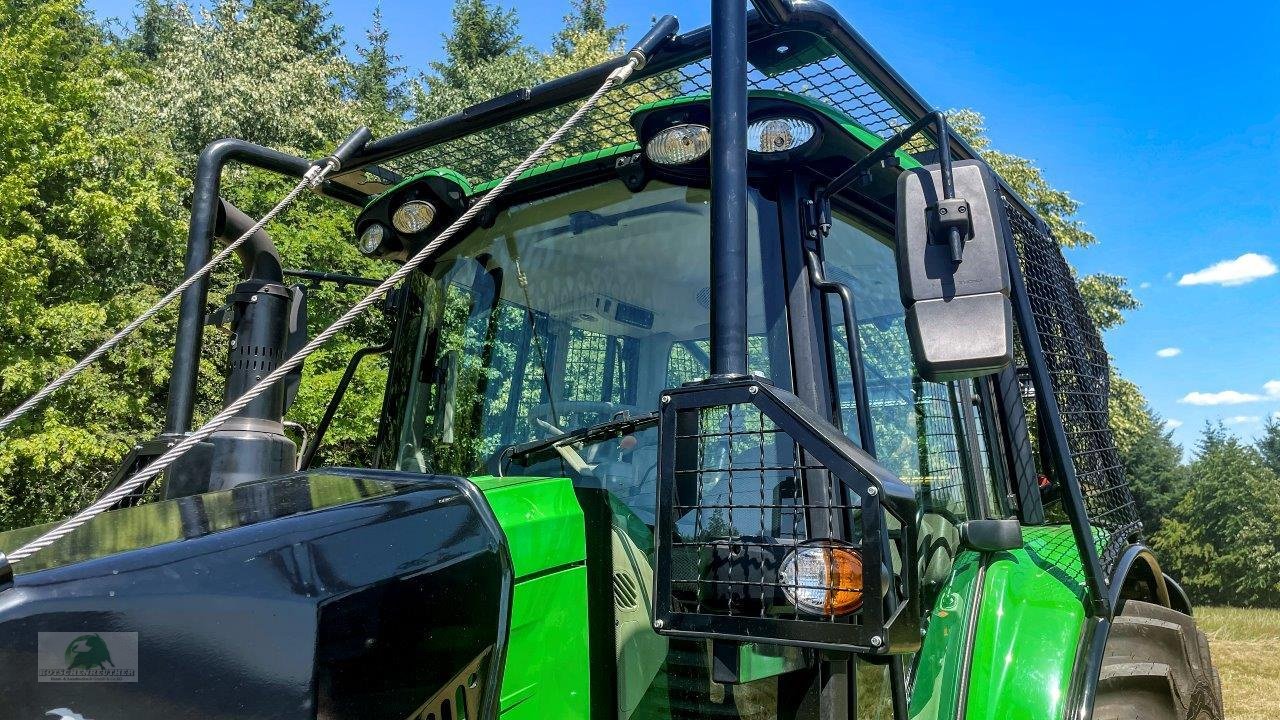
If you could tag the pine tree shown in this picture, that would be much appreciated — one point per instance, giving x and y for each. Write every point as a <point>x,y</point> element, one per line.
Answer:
<point>1269,444</point>
<point>156,25</point>
<point>309,21</point>
<point>1220,539</point>
<point>378,83</point>
<point>481,34</point>
<point>586,20</point>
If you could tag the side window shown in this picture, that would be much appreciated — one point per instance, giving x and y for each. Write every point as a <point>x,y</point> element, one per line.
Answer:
<point>918,426</point>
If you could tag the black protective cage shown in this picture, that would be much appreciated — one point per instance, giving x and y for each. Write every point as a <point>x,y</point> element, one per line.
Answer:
<point>801,46</point>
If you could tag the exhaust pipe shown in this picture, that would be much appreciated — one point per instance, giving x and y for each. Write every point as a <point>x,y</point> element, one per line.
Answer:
<point>253,445</point>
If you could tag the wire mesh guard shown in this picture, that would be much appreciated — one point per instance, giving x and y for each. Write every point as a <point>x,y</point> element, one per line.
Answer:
<point>745,484</point>
<point>1080,374</point>
<point>483,155</point>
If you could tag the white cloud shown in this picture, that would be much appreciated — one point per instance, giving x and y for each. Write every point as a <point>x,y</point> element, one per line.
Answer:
<point>1244,269</point>
<point>1243,419</point>
<point>1272,388</point>
<point>1168,352</point>
<point>1144,286</point>
<point>1172,424</point>
<point>1226,397</point>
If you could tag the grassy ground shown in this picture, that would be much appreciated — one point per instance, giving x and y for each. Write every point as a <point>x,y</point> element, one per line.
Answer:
<point>1245,645</point>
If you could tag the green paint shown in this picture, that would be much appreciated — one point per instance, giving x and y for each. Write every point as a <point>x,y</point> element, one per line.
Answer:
<point>542,520</point>
<point>1030,617</point>
<point>935,689</point>
<point>547,673</point>
<point>452,176</point>
<point>545,168</point>
<point>1029,625</point>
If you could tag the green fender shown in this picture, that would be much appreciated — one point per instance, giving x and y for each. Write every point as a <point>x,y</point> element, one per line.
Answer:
<point>1028,624</point>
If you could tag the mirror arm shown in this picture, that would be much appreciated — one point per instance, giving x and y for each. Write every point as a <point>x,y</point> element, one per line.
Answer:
<point>958,210</point>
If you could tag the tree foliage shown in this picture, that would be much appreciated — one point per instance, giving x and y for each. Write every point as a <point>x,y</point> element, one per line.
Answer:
<point>1106,296</point>
<point>1220,538</point>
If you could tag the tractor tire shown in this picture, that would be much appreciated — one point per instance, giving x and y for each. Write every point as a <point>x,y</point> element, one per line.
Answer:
<point>1156,666</point>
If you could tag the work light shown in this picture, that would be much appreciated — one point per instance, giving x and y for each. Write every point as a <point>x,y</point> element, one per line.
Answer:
<point>413,216</point>
<point>371,238</point>
<point>679,144</point>
<point>778,134</point>
<point>823,578</point>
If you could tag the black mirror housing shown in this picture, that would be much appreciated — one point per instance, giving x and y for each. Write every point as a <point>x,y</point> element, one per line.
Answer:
<point>958,313</point>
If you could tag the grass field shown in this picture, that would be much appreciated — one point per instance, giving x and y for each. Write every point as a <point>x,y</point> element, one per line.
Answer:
<point>1245,645</point>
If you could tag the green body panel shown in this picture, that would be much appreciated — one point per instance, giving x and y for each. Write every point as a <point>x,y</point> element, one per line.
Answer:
<point>545,168</point>
<point>541,518</point>
<point>547,673</point>
<point>1030,618</point>
<point>448,174</point>
<point>935,692</point>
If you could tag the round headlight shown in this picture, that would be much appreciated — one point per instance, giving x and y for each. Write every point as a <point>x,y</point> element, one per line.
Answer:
<point>823,578</point>
<point>413,216</point>
<point>778,134</point>
<point>371,239</point>
<point>679,144</point>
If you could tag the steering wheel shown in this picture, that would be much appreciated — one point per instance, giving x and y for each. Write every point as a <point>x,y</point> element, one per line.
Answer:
<point>542,417</point>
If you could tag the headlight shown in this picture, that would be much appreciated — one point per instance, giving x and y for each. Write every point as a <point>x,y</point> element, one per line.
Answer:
<point>413,216</point>
<point>823,578</point>
<point>371,239</point>
<point>679,144</point>
<point>778,134</point>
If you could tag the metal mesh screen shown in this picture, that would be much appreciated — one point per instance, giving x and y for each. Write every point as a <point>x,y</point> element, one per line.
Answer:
<point>1080,373</point>
<point>749,506</point>
<point>745,483</point>
<point>485,155</point>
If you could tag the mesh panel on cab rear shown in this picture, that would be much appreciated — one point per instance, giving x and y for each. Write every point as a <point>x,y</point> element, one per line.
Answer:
<point>1080,373</point>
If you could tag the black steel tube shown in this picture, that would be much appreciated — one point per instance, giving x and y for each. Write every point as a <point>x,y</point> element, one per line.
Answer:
<point>866,437</point>
<point>892,145</point>
<point>205,204</point>
<point>1063,465</point>
<point>662,31</point>
<point>334,402</point>
<point>728,188</point>
<point>774,12</point>
<point>338,279</point>
<point>231,223</point>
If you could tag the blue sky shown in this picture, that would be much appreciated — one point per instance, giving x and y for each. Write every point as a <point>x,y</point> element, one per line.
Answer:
<point>1162,118</point>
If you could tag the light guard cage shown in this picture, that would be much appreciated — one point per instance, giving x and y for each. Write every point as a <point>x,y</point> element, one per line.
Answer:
<point>748,473</point>
<point>804,47</point>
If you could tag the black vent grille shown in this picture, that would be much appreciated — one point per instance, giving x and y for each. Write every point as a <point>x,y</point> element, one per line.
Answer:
<point>487,154</point>
<point>1079,371</point>
<point>747,476</point>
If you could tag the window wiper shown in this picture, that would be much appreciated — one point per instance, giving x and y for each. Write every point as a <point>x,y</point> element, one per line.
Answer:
<point>609,428</point>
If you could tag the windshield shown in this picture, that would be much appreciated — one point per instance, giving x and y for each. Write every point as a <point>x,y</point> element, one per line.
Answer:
<point>567,312</point>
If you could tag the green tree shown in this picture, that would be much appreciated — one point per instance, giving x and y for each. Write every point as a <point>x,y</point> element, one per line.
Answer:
<point>1269,444</point>
<point>1220,539</point>
<point>88,238</point>
<point>482,33</point>
<point>308,23</point>
<point>1106,296</point>
<point>1152,460</point>
<point>378,82</point>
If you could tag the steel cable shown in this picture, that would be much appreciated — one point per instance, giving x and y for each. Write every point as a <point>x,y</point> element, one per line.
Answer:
<point>105,503</point>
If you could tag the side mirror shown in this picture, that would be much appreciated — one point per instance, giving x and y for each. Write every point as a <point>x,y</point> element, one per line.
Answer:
<point>956,295</point>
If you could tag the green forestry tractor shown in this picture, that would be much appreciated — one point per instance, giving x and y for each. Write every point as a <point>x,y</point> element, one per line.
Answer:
<point>752,393</point>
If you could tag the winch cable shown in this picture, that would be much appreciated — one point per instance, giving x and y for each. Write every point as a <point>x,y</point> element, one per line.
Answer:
<point>311,179</point>
<point>620,75</point>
